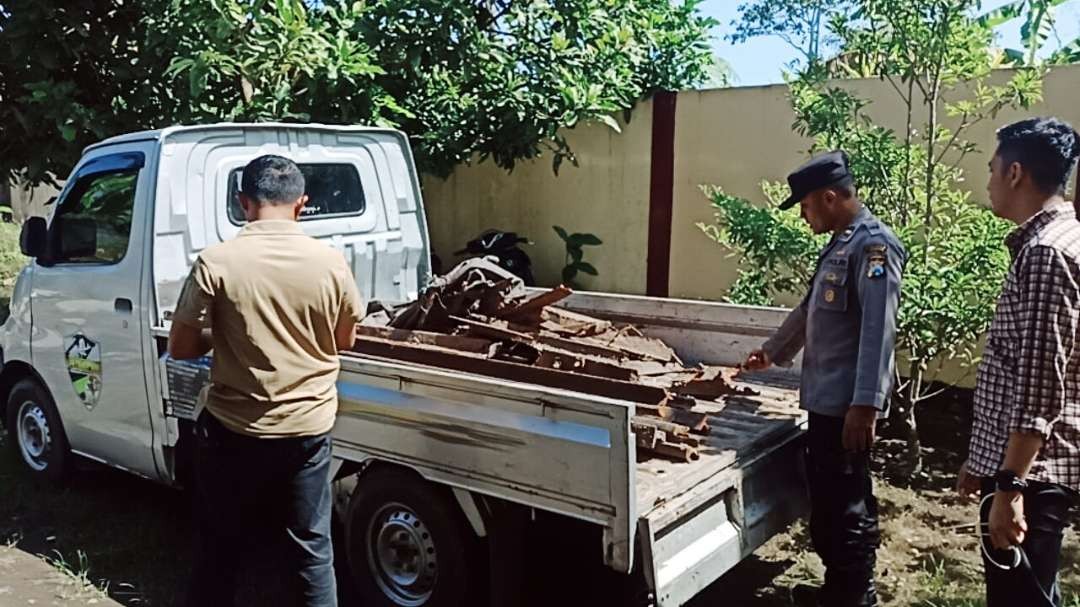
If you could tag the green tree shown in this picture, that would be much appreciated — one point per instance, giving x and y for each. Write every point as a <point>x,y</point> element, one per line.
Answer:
<point>803,24</point>
<point>1038,27</point>
<point>720,75</point>
<point>464,79</point>
<point>72,73</point>
<point>936,59</point>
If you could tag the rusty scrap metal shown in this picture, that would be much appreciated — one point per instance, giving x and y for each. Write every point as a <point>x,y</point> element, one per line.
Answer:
<point>428,313</point>
<point>581,345</point>
<point>711,384</point>
<point>512,371</point>
<point>531,310</point>
<point>694,420</point>
<point>453,342</point>
<point>668,439</point>
<point>480,319</point>
<point>675,432</point>
<point>558,359</point>
<point>491,329</point>
<point>647,435</point>
<point>645,348</point>
<point>572,324</point>
<point>678,452</point>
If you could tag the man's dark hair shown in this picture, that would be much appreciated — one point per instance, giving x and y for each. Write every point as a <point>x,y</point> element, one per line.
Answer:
<point>272,180</point>
<point>1047,148</point>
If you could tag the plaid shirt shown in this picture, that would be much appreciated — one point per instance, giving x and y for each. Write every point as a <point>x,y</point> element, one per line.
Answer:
<point>1029,379</point>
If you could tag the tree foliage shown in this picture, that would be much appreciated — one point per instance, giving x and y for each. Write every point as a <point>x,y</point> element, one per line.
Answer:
<point>494,79</point>
<point>1039,24</point>
<point>71,74</point>
<point>803,24</point>
<point>812,27</point>
<point>936,59</point>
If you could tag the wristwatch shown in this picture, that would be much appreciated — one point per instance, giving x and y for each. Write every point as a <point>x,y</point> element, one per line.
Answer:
<point>1008,481</point>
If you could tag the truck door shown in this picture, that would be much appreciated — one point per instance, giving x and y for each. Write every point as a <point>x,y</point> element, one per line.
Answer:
<point>89,309</point>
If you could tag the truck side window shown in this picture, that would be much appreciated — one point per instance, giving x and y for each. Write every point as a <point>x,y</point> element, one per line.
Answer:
<point>93,223</point>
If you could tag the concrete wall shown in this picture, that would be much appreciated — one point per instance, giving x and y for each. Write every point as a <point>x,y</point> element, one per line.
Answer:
<point>734,138</point>
<point>607,194</point>
<point>30,202</point>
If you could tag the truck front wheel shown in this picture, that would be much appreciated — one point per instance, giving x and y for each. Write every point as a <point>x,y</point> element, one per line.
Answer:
<point>408,545</point>
<point>35,432</point>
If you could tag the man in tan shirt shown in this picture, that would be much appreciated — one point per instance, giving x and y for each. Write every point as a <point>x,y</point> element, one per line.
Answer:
<point>276,306</point>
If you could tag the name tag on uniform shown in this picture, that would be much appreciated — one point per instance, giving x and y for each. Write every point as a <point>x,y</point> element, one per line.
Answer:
<point>833,277</point>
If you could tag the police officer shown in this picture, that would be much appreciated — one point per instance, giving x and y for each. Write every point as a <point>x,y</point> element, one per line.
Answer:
<point>846,326</point>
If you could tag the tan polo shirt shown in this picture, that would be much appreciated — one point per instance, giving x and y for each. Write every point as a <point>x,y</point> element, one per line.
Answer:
<point>272,298</point>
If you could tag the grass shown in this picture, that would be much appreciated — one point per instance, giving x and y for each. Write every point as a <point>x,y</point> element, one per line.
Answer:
<point>136,534</point>
<point>81,586</point>
<point>11,263</point>
<point>927,558</point>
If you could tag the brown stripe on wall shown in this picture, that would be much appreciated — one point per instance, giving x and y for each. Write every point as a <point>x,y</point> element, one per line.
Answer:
<point>661,192</point>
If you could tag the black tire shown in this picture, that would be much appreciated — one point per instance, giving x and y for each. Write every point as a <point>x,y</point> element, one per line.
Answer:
<point>420,532</point>
<point>35,434</point>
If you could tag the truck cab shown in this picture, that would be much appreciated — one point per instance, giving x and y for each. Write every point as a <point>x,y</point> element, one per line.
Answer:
<point>90,312</point>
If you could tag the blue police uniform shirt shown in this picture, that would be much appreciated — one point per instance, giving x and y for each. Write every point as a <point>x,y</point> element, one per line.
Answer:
<point>847,322</point>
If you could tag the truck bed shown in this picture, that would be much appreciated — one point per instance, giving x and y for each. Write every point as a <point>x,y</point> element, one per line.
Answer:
<point>699,519</point>
<point>574,454</point>
<point>714,334</point>
<point>740,427</point>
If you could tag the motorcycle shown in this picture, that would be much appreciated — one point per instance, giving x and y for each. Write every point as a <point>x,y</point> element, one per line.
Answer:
<point>504,248</point>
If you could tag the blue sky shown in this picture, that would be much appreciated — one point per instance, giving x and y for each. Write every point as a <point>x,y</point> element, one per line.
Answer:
<point>762,60</point>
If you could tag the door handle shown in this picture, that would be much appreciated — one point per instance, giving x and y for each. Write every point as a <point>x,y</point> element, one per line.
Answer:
<point>122,305</point>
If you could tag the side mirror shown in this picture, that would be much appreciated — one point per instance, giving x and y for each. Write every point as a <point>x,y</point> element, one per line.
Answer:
<point>77,238</point>
<point>32,240</point>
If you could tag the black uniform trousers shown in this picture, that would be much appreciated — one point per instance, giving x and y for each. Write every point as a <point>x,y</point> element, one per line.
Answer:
<point>843,516</point>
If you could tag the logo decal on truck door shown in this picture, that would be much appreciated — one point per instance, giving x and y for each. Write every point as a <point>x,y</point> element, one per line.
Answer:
<point>83,357</point>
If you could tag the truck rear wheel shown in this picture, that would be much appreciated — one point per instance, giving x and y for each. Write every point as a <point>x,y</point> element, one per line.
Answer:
<point>408,545</point>
<point>35,432</point>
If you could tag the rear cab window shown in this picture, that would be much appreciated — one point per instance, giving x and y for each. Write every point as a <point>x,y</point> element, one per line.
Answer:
<point>334,190</point>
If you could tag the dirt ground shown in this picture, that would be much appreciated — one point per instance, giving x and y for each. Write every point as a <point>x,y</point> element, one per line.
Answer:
<point>929,555</point>
<point>131,539</point>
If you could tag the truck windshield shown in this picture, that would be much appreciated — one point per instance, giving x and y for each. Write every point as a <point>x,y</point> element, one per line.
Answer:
<point>333,190</point>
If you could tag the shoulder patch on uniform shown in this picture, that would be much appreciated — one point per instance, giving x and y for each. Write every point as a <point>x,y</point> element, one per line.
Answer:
<point>876,257</point>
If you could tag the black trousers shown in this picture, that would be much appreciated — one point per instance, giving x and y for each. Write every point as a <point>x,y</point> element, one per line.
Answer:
<point>1035,582</point>
<point>248,485</point>
<point>843,515</point>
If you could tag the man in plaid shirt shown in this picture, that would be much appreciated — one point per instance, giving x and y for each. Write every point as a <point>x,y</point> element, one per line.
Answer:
<point>1025,440</point>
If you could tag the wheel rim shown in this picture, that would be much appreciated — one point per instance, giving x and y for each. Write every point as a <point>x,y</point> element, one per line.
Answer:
<point>401,555</point>
<point>34,436</point>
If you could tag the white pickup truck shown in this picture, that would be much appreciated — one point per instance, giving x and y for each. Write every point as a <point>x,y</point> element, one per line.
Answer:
<point>429,464</point>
